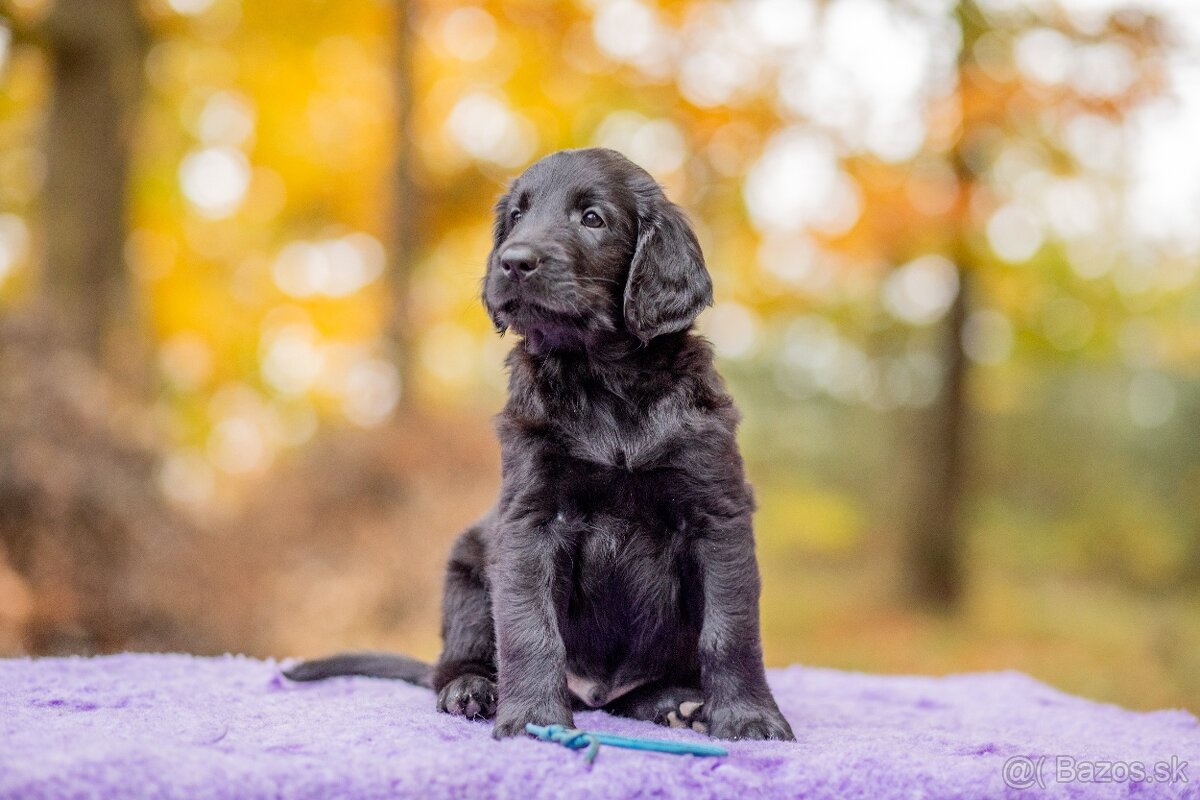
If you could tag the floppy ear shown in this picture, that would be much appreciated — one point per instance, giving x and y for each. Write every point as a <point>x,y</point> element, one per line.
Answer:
<point>668,284</point>
<point>500,226</point>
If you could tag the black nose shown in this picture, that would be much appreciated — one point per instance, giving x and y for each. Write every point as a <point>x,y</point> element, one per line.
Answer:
<point>519,261</point>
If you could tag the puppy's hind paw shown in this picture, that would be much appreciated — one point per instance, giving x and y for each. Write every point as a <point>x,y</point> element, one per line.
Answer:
<point>688,715</point>
<point>470,696</point>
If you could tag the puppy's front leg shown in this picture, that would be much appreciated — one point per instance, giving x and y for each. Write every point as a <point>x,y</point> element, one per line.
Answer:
<point>738,702</point>
<point>527,582</point>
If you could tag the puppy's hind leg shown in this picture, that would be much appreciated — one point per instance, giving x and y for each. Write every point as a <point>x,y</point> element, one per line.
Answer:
<point>465,674</point>
<point>664,704</point>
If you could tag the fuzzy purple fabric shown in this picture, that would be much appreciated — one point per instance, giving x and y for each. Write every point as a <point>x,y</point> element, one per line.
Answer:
<point>187,727</point>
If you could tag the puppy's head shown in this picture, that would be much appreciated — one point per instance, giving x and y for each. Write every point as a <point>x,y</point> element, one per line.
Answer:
<point>586,244</point>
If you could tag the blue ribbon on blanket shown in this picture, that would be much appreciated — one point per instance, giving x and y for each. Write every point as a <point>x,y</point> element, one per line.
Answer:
<point>579,740</point>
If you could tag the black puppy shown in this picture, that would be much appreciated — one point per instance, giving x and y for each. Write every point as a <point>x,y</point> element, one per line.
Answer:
<point>617,570</point>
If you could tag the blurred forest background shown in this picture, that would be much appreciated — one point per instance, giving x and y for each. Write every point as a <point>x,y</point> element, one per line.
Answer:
<point>245,381</point>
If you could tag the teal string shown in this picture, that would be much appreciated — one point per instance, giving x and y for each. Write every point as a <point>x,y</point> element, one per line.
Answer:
<point>578,740</point>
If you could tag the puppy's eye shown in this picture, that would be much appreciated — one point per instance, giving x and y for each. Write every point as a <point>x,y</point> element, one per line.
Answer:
<point>592,220</point>
<point>514,215</point>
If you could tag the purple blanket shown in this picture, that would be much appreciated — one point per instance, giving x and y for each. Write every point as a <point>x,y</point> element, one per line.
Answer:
<point>180,726</point>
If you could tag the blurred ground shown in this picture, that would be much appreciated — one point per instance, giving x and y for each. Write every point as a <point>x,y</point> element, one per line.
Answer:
<point>344,548</point>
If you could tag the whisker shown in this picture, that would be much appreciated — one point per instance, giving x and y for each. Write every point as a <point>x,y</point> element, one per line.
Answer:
<point>596,279</point>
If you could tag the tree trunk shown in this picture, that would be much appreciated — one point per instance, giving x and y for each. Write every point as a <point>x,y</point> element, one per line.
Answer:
<point>935,547</point>
<point>106,559</point>
<point>407,203</point>
<point>96,48</point>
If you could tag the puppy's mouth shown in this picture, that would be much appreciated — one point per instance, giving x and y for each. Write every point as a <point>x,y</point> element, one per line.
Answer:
<point>544,328</point>
<point>525,315</point>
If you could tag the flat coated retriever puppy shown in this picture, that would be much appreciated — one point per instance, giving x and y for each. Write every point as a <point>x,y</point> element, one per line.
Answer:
<point>617,569</point>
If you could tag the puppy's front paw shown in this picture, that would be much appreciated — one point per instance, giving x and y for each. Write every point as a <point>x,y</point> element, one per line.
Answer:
<point>745,721</point>
<point>512,721</point>
<point>470,696</point>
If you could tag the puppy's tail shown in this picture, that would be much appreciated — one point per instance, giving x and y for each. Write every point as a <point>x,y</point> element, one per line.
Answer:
<point>370,665</point>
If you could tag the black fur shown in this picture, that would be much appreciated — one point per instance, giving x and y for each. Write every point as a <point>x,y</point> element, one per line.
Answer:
<point>617,569</point>
<point>370,665</point>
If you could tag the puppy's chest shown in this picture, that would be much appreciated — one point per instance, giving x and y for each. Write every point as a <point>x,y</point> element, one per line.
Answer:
<point>623,436</point>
